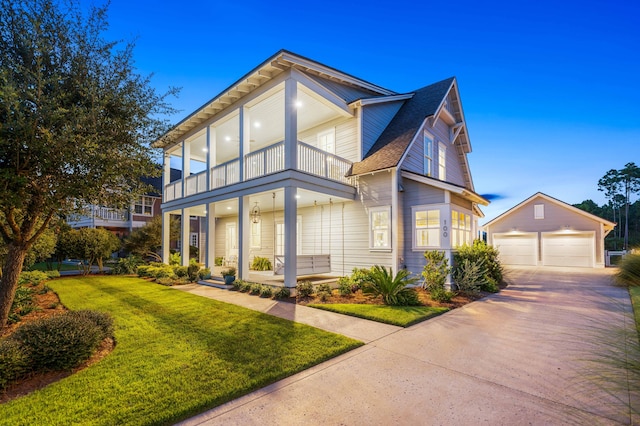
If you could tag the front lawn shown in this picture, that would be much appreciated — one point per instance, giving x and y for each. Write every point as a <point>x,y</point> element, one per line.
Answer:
<point>42,266</point>
<point>634,292</point>
<point>176,355</point>
<point>403,316</point>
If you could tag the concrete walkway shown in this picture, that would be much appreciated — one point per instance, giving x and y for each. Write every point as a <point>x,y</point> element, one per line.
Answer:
<point>532,354</point>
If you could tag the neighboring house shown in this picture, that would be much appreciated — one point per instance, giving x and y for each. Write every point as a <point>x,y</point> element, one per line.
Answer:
<point>321,172</point>
<point>122,221</point>
<point>545,231</point>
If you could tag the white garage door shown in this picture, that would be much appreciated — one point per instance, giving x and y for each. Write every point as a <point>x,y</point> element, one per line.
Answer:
<point>568,250</point>
<point>517,249</point>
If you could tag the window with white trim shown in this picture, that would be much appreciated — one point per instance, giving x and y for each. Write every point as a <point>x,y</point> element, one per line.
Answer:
<point>256,234</point>
<point>442,161</point>
<point>380,227</point>
<point>426,228</point>
<point>327,140</point>
<point>193,240</point>
<point>428,153</point>
<point>538,211</point>
<point>144,206</point>
<point>460,228</point>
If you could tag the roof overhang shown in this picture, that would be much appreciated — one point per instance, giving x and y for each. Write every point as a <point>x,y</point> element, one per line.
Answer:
<point>275,65</point>
<point>455,189</point>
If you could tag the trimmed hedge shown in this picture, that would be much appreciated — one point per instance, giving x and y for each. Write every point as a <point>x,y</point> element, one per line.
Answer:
<point>55,343</point>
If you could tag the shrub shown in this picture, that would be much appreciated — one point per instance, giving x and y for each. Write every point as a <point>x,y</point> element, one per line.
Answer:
<point>392,288</point>
<point>102,320</point>
<point>237,284</point>
<point>161,271</point>
<point>266,291</point>
<point>61,342</point>
<point>359,276</point>
<point>53,274</point>
<point>261,264</point>
<point>143,270</point>
<point>22,303</point>
<point>628,274</point>
<point>345,286</point>
<point>255,289</point>
<point>14,363</point>
<point>175,259</point>
<point>441,295</point>
<point>165,281</point>
<point>127,265</point>
<point>490,285</point>
<point>304,289</point>
<point>245,287</point>
<point>192,271</point>
<point>435,272</point>
<point>480,251</point>
<point>323,287</point>
<point>204,274</point>
<point>469,276</point>
<point>282,293</point>
<point>32,277</point>
<point>180,271</point>
<point>218,261</point>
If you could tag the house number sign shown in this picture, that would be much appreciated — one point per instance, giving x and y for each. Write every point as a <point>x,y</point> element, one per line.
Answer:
<point>444,229</point>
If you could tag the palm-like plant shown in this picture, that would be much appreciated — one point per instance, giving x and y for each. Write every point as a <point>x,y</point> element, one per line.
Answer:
<point>392,288</point>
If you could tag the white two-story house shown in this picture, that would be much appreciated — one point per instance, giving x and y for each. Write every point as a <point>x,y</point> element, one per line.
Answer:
<point>321,171</point>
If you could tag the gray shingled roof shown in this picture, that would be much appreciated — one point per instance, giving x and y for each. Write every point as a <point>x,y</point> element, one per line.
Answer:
<point>395,139</point>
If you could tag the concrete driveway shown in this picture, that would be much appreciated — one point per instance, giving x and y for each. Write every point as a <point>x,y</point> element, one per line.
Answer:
<point>542,351</point>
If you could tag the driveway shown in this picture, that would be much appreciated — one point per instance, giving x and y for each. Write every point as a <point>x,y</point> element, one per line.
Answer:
<point>542,351</point>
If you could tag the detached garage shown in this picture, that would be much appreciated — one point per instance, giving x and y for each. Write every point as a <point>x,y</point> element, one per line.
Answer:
<point>545,231</point>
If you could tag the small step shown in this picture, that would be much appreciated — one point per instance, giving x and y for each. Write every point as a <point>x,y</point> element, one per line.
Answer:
<point>212,282</point>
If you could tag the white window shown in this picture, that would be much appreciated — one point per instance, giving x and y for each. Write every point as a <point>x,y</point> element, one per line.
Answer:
<point>442,161</point>
<point>194,239</point>
<point>256,235</point>
<point>144,205</point>
<point>426,227</point>
<point>327,140</point>
<point>428,154</point>
<point>538,211</point>
<point>380,227</point>
<point>460,228</point>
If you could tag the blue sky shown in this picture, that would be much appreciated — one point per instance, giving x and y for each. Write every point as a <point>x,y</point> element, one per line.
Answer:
<point>550,90</point>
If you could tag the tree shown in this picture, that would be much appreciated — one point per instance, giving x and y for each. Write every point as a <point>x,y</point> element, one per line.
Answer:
<point>625,181</point>
<point>146,241</point>
<point>76,123</point>
<point>91,245</point>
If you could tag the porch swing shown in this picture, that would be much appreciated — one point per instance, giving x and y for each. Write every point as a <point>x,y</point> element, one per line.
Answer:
<point>308,264</point>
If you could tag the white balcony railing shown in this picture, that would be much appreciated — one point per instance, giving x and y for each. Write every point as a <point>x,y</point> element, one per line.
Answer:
<point>263,162</point>
<point>107,214</point>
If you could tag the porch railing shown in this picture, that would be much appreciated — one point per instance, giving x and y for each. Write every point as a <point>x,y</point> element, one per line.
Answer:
<point>321,163</point>
<point>109,214</point>
<point>225,174</point>
<point>263,162</point>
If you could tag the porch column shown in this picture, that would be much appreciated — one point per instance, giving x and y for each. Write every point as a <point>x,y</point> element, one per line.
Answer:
<point>208,155</point>
<point>184,236</point>
<point>166,240</point>
<point>210,259</point>
<point>244,139</point>
<point>244,235</point>
<point>291,237</point>
<point>290,124</point>
<point>445,235</point>
<point>395,227</point>
<point>186,165</point>
<point>166,175</point>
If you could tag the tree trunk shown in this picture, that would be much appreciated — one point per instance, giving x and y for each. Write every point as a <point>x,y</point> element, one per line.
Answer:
<point>9,282</point>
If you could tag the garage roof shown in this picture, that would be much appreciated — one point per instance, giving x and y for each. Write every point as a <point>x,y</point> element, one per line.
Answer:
<point>608,226</point>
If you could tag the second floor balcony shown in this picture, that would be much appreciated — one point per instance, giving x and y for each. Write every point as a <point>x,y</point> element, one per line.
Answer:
<point>265,161</point>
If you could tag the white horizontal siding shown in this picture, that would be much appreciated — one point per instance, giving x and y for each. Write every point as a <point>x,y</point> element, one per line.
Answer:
<point>346,139</point>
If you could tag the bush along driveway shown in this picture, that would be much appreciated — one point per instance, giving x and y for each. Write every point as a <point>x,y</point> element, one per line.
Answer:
<point>176,355</point>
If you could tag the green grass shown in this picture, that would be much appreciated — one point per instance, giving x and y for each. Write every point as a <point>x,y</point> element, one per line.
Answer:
<point>404,316</point>
<point>634,292</point>
<point>42,266</point>
<point>177,355</point>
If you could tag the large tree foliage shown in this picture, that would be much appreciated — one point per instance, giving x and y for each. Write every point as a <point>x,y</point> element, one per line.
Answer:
<point>91,245</point>
<point>147,241</point>
<point>76,122</point>
<point>625,182</point>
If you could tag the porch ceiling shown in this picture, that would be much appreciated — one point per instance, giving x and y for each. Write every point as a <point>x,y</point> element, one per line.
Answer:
<point>266,202</point>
